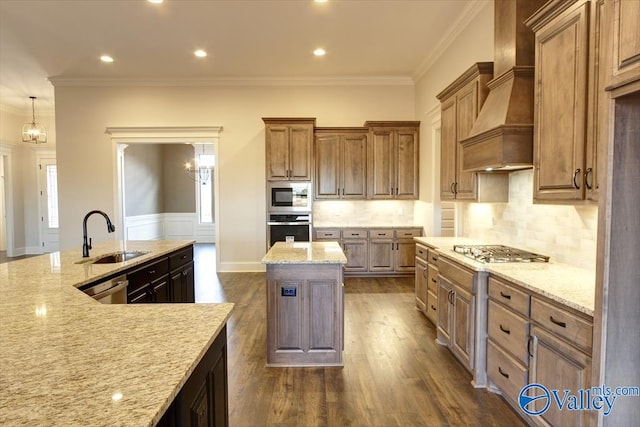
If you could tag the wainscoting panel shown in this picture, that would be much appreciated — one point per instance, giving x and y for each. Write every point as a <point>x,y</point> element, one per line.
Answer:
<point>168,226</point>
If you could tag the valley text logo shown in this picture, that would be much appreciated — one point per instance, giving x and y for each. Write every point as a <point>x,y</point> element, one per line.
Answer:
<point>535,399</point>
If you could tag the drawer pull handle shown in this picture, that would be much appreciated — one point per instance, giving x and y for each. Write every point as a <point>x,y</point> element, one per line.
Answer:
<point>382,234</point>
<point>506,331</point>
<point>434,259</point>
<point>434,280</point>
<point>183,257</point>
<point>152,271</point>
<point>433,308</point>
<point>529,346</point>
<point>502,373</point>
<point>503,295</point>
<point>561,324</point>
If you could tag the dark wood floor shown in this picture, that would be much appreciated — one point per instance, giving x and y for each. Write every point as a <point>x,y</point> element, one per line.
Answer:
<point>394,374</point>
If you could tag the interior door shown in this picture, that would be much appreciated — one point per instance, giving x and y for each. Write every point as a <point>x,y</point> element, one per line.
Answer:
<point>48,204</point>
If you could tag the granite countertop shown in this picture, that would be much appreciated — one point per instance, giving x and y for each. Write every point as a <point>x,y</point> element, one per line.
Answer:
<point>563,283</point>
<point>66,359</point>
<point>305,253</point>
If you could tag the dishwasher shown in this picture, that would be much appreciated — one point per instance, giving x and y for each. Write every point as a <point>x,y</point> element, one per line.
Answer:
<point>112,291</point>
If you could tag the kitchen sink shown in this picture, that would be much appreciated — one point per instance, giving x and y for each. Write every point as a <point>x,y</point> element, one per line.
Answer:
<point>114,257</point>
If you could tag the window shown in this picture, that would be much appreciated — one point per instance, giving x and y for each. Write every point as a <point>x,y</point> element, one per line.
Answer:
<point>52,195</point>
<point>205,189</point>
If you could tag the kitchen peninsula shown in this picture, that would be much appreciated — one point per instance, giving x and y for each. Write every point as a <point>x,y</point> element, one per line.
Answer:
<point>67,359</point>
<point>305,304</point>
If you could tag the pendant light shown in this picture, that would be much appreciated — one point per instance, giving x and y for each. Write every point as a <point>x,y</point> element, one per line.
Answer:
<point>198,170</point>
<point>34,133</point>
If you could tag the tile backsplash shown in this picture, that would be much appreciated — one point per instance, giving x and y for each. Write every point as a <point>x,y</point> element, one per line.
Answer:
<point>567,233</point>
<point>363,213</point>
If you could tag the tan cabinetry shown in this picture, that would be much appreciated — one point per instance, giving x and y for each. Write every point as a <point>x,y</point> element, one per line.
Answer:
<point>460,103</point>
<point>393,160</point>
<point>456,310</point>
<point>288,148</point>
<point>340,156</point>
<point>432,286</point>
<point>305,308</point>
<point>570,118</point>
<point>421,278</point>
<point>356,248</point>
<point>625,44</point>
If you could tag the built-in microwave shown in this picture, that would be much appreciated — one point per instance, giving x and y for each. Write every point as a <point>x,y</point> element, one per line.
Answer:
<point>289,196</point>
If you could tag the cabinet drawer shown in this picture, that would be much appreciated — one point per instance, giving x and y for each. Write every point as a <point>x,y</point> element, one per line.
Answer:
<point>327,234</point>
<point>456,273</point>
<point>408,233</point>
<point>354,234</point>
<point>432,306</point>
<point>432,257</point>
<point>148,273</point>
<point>421,252</point>
<point>179,258</point>
<point>380,233</point>
<point>432,278</point>
<point>509,375</point>
<point>509,330</point>
<point>570,326</point>
<point>513,298</point>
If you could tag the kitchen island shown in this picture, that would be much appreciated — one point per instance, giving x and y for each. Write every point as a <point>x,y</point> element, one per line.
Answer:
<point>66,359</point>
<point>305,304</point>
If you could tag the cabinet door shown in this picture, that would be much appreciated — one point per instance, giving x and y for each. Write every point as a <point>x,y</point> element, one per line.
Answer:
<point>466,113</point>
<point>444,310</point>
<point>325,323</point>
<point>356,253</point>
<point>406,168</point>
<point>327,167</point>
<point>182,284</point>
<point>300,139</point>
<point>421,285</point>
<point>141,294</point>
<point>277,152</point>
<point>463,327</point>
<point>286,304</point>
<point>404,254</point>
<point>560,106</point>
<point>381,255</point>
<point>448,142</point>
<point>559,366</point>
<point>161,290</point>
<point>354,166</point>
<point>626,41</point>
<point>381,168</point>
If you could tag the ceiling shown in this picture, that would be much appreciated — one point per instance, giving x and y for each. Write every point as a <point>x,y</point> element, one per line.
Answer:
<point>256,41</point>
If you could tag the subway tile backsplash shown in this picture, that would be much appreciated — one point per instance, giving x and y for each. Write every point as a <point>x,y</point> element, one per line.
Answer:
<point>363,213</point>
<point>566,233</point>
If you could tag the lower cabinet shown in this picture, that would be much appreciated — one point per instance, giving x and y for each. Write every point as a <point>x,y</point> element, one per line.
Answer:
<point>305,314</point>
<point>356,249</point>
<point>421,278</point>
<point>203,400</point>
<point>163,280</point>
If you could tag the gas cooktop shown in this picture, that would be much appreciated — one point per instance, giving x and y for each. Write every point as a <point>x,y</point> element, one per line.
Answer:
<point>498,253</point>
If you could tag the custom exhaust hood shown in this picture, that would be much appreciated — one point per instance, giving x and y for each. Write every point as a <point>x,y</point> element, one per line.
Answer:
<point>502,134</point>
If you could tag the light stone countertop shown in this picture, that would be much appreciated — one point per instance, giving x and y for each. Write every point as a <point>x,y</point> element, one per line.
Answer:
<point>563,283</point>
<point>305,253</point>
<point>64,356</point>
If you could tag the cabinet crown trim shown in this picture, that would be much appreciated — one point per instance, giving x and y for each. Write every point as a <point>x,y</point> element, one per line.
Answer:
<point>468,76</point>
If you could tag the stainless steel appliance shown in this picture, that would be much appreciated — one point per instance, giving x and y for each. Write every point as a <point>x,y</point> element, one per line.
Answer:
<point>498,253</point>
<point>112,291</point>
<point>289,227</point>
<point>289,197</point>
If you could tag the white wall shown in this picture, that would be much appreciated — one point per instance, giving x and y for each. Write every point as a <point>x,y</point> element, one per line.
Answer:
<point>86,157</point>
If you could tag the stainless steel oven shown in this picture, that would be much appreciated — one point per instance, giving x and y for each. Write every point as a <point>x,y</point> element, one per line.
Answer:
<point>288,227</point>
<point>289,197</point>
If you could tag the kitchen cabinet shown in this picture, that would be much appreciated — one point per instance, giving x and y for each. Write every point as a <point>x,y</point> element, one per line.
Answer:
<point>456,310</point>
<point>570,112</point>
<point>426,281</point>
<point>305,314</point>
<point>460,104</point>
<point>356,248</point>
<point>169,278</point>
<point>393,160</point>
<point>624,45</point>
<point>421,278</point>
<point>432,286</point>
<point>203,399</point>
<point>289,144</point>
<point>340,158</point>
<point>182,278</point>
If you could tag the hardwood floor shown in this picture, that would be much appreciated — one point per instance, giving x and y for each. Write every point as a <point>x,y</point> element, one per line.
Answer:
<point>394,374</point>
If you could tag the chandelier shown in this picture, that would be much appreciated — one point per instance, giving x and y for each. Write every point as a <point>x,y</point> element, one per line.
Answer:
<point>201,168</point>
<point>33,132</point>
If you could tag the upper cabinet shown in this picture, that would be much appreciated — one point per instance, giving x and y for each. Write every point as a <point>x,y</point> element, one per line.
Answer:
<point>393,160</point>
<point>288,148</point>
<point>340,157</point>
<point>460,103</point>
<point>625,43</point>
<point>570,118</point>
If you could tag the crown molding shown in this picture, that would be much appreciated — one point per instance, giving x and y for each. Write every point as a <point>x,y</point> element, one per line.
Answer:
<point>239,81</point>
<point>466,17</point>
<point>164,134</point>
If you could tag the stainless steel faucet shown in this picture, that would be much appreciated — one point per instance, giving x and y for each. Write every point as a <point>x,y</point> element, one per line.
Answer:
<point>86,246</point>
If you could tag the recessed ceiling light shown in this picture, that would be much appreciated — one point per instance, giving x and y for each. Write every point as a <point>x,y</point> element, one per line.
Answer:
<point>320,1</point>
<point>155,1</point>
<point>200,53</point>
<point>319,52</point>
<point>106,58</point>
